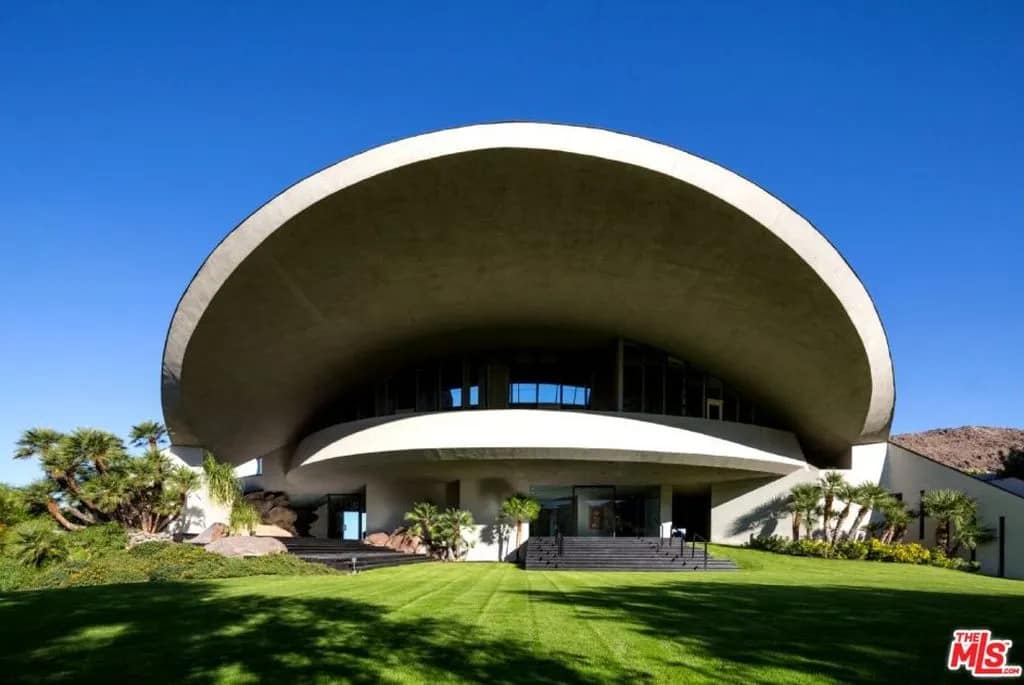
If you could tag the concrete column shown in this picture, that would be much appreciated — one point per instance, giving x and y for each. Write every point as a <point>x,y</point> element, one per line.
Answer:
<point>666,510</point>
<point>620,356</point>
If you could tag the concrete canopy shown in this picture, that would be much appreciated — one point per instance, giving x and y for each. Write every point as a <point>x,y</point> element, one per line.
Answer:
<point>459,236</point>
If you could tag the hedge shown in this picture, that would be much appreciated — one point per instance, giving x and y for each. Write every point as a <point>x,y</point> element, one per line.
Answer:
<point>871,550</point>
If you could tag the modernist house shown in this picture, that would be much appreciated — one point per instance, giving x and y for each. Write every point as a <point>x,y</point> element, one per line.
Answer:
<point>640,338</point>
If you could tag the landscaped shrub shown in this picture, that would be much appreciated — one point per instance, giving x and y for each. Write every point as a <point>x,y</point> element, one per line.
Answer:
<point>850,549</point>
<point>14,574</point>
<point>809,548</point>
<point>771,543</point>
<point>35,542</point>
<point>94,541</point>
<point>873,550</point>
<point>154,561</point>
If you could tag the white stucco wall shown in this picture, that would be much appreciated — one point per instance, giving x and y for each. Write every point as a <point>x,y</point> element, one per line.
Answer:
<point>740,509</point>
<point>200,512</point>
<point>909,473</point>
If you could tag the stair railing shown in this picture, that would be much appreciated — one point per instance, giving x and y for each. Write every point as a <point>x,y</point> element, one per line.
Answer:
<point>694,537</point>
<point>560,542</point>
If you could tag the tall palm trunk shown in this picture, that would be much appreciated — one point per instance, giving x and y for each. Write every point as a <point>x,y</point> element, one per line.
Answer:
<point>519,535</point>
<point>839,522</point>
<point>857,521</point>
<point>55,512</point>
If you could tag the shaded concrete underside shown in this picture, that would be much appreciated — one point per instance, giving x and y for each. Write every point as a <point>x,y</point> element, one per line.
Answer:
<point>455,252</point>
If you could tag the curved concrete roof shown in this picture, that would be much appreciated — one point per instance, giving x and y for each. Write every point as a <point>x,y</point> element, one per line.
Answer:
<point>461,235</point>
<point>518,434</point>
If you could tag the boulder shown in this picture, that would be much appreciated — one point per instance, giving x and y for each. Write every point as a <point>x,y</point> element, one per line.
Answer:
<point>250,546</point>
<point>268,531</point>
<point>214,532</point>
<point>137,537</point>
<point>378,539</point>
<point>274,509</point>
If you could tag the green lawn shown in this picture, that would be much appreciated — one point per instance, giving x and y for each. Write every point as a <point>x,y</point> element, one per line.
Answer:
<point>780,620</point>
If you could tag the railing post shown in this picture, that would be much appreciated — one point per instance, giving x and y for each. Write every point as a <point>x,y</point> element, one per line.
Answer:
<point>705,555</point>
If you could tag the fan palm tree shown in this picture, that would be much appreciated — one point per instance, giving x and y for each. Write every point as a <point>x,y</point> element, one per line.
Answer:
<point>422,521</point>
<point>451,532</point>
<point>832,484</point>
<point>150,433</point>
<point>803,500</point>
<point>897,518</point>
<point>950,509</point>
<point>35,542</point>
<point>867,496</point>
<point>37,442</point>
<point>970,534</point>
<point>520,508</point>
<point>845,493</point>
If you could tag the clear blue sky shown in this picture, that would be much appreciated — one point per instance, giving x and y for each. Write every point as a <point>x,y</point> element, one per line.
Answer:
<point>132,139</point>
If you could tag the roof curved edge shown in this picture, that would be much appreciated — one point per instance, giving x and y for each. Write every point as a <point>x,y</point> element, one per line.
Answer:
<point>768,211</point>
<point>553,434</point>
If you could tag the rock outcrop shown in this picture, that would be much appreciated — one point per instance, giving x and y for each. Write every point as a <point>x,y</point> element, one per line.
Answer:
<point>399,540</point>
<point>274,509</point>
<point>214,532</point>
<point>246,546</point>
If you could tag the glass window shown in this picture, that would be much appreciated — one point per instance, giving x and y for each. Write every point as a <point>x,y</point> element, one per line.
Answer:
<point>403,387</point>
<point>547,393</point>
<point>654,388</point>
<point>522,393</point>
<point>474,395</point>
<point>674,388</point>
<point>451,385</point>
<point>694,392</point>
<point>426,389</point>
<point>632,387</point>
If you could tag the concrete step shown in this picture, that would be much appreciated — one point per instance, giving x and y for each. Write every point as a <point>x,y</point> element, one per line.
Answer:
<point>619,554</point>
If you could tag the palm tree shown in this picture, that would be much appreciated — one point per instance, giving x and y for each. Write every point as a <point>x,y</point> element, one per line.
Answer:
<point>970,534</point>
<point>867,496</point>
<point>520,508</point>
<point>450,531</point>
<point>150,433</point>
<point>803,500</point>
<point>37,442</point>
<point>35,542</point>
<point>897,518</point>
<point>422,520</point>
<point>832,484</point>
<point>845,493</point>
<point>950,509</point>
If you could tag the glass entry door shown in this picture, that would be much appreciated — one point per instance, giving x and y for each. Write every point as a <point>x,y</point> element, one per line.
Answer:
<point>595,510</point>
<point>347,516</point>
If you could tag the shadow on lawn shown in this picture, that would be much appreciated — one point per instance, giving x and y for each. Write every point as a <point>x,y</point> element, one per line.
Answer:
<point>194,633</point>
<point>844,634</point>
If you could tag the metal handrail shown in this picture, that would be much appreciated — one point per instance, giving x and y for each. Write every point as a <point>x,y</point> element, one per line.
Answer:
<point>560,540</point>
<point>694,537</point>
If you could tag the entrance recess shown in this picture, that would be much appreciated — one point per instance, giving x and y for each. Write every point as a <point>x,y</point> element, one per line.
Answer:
<point>346,516</point>
<point>597,510</point>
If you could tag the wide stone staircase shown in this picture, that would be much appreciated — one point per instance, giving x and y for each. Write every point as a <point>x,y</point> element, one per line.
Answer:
<point>346,555</point>
<point>620,554</point>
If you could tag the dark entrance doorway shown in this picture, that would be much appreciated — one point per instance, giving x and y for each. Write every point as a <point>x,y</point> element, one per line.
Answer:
<point>346,516</point>
<point>692,511</point>
<point>596,510</point>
